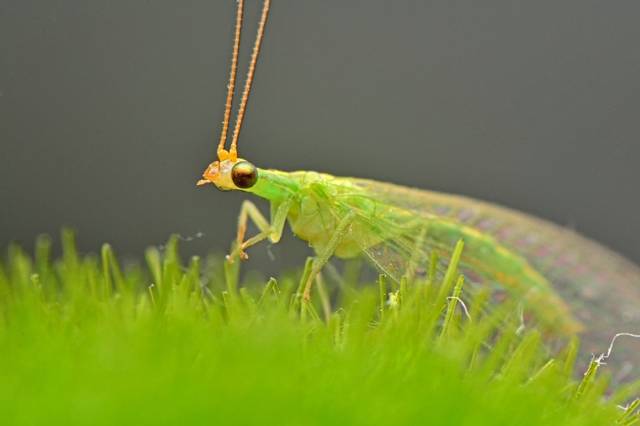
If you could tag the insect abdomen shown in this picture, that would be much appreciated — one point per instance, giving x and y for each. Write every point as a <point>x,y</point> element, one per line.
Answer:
<point>484,255</point>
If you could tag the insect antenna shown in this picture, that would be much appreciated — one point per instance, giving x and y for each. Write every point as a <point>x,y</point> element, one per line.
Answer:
<point>232,82</point>
<point>233,149</point>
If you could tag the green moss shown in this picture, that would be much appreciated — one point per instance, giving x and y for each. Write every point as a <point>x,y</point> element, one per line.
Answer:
<point>84,342</point>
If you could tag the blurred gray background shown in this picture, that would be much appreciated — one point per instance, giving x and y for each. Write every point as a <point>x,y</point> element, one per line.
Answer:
<point>109,111</point>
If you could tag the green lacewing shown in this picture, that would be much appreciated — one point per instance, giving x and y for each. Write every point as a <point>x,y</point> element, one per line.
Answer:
<point>572,284</point>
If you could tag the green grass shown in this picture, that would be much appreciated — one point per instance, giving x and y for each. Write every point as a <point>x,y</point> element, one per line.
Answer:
<point>83,341</point>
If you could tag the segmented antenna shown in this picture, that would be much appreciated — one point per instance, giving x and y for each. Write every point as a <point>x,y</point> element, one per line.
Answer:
<point>233,149</point>
<point>231,86</point>
<point>232,154</point>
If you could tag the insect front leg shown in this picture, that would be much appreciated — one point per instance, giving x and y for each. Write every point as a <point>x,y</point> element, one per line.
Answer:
<point>272,231</point>
<point>326,252</point>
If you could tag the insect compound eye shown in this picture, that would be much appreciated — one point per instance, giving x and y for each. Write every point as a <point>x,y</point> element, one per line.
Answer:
<point>244,174</point>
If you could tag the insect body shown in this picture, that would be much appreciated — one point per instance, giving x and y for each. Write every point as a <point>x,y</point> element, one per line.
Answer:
<point>571,283</point>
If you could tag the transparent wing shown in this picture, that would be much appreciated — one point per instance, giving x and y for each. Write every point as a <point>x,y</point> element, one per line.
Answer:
<point>602,287</point>
<point>401,247</point>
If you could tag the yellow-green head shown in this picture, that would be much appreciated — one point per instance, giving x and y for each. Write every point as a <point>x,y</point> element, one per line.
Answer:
<point>228,175</point>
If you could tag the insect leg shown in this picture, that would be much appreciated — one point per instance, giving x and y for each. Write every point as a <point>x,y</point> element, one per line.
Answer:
<point>272,231</point>
<point>327,251</point>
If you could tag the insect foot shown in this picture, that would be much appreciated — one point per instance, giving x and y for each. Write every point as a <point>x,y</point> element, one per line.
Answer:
<point>238,253</point>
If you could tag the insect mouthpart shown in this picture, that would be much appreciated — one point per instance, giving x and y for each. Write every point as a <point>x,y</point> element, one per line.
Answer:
<point>210,174</point>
